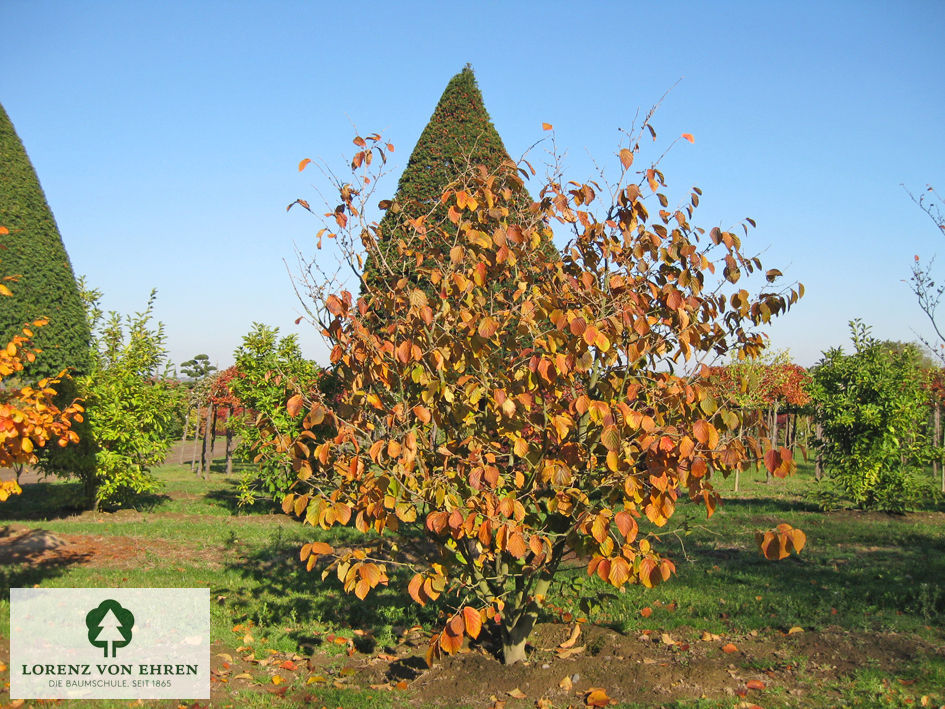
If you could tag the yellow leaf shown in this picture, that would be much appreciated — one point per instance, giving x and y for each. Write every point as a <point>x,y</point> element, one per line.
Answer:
<point>516,693</point>
<point>276,679</point>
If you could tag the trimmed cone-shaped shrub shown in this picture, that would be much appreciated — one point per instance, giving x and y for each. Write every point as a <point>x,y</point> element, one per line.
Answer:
<point>459,136</point>
<point>34,251</point>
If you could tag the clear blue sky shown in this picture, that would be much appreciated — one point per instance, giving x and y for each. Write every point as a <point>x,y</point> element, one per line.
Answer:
<point>167,135</point>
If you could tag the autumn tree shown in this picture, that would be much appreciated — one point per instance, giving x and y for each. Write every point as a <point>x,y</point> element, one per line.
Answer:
<point>506,429</point>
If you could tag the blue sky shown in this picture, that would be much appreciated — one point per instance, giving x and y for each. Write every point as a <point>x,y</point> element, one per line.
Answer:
<point>167,135</point>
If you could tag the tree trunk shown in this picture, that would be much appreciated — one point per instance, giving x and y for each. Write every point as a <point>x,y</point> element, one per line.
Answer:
<point>738,468</point>
<point>818,463</point>
<point>515,637</point>
<point>229,444</point>
<point>936,439</point>
<point>213,431</point>
<point>204,461</point>
<point>193,453</point>
<point>774,436</point>
<point>183,438</point>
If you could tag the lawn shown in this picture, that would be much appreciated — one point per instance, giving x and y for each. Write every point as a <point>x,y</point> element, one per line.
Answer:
<point>857,619</point>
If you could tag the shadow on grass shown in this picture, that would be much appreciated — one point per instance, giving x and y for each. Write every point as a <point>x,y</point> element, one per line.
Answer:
<point>228,498</point>
<point>284,594</point>
<point>886,575</point>
<point>28,559</point>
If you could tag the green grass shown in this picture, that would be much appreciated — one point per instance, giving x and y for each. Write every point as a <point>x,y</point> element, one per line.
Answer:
<point>858,572</point>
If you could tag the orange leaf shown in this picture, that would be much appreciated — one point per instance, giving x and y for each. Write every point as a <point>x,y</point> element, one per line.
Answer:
<point>294,404</point>
<point>4,231</point>
<point>646,612</point>
<point>688,136</point>
<point>597,697</point>
<point>546,126</point>
<point>304,164</point>
<point>626,158</point>
<point>729,648</point>
<point>473,621</point>
<point>755,684</point>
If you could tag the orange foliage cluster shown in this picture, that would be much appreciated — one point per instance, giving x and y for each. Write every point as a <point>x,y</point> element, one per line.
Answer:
<point>28,417</point>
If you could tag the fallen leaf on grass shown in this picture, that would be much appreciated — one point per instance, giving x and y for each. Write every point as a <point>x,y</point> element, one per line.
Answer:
<point>316,679</point>
<point>402,684</point>
<point>516,693</point>
<point>795,629</point>
<point>289,665</point>
<point>387,657</point>
<point>755,684</point>
<point>646,612</point>
<point>575,634</point>
<point>708,637</point>
<point>244,675</point>
<point>543,704</point>
<point>566,684</point>
<point>276,679</point>
<point>729,648</point>
<point>381,687</point>
<point>226,658</point>
<point>597,697</point>
<point>667,639</point>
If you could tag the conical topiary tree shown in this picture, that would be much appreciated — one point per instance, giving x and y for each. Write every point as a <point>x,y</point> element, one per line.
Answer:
<point>34,251</point>
<point>458,136</point>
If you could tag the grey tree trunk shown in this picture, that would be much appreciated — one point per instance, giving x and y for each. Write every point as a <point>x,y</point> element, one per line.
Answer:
<point>204,450</point>
<point>229,445</point>
<point>183,438</point>
<point>193,453</point>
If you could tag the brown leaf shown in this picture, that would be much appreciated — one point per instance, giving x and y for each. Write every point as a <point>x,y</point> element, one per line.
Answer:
<point>294,404</point>
<point>572,638</point>
<point>755,684</point>
<point>516,693</point>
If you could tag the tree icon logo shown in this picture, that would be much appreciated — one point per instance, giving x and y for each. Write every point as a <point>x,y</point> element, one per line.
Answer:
<point>109,624</point>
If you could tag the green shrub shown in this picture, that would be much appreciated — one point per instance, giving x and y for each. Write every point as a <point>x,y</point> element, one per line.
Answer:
<point>130,408</point>
<point>873,408</point>
<point>269,370</point>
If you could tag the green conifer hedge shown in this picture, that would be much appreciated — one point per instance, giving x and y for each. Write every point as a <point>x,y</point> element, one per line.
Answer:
<point>33,250</point>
